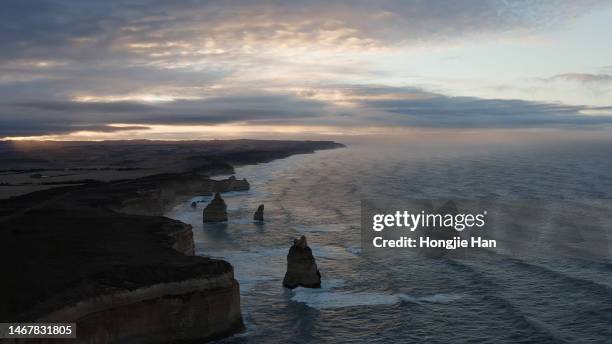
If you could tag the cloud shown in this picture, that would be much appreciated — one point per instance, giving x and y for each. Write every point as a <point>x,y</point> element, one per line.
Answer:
<point>414,107</point>
<point>69,64</point>
<point>362,106</point>
<point>582,77</point>
<point>18,127</point>
<point>44,117</point>
<point>165,31</point>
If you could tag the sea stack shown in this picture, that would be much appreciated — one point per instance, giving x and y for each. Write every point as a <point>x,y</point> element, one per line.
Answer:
<point>258,216</point>
<point>216,210</point>
<point>302,269</point>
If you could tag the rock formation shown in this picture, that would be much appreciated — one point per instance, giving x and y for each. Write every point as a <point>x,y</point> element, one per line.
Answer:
<point>216,210</point>
<point>258,216</point>
<point>302,269</point>
<point>231,184</point>
<point>239,185</point>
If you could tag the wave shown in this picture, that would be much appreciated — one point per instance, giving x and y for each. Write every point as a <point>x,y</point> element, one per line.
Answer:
<point>326,299</point>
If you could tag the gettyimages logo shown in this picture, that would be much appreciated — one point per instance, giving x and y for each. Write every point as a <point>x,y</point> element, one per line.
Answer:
<point>481,227</point>
<point>459,222</point>
<point>421,227</point>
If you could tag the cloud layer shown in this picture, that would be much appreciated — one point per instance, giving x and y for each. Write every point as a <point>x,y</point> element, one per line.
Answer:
<point>71,65</point>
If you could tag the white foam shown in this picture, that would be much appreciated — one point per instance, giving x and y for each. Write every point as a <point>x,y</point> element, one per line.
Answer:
<point>325,299</point>
<point>322,299</point>
<point>441,298</point>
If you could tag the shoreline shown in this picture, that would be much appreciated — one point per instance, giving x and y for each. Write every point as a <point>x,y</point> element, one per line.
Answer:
<point>116,245</point>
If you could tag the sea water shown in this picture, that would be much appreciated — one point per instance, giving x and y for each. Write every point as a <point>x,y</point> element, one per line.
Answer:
<point>414,298</point>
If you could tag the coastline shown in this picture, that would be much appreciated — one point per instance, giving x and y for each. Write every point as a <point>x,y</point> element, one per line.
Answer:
<point>120,260</point>
<point>29,166</point>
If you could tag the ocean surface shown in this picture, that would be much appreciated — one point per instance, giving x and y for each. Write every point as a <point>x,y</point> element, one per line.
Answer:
<point>537,296</point>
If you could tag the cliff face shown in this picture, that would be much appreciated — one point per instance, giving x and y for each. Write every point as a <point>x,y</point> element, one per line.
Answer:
<point>120,277</point>
<point>197,309</point>
<point>157,194</point>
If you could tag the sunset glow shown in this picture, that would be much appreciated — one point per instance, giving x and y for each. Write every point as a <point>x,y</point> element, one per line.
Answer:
<point>246,68</point>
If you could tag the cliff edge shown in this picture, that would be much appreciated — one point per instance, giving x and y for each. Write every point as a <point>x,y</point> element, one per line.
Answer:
<point>118,276</point>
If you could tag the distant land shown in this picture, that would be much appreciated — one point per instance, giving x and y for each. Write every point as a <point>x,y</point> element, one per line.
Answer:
<point>27,166</point>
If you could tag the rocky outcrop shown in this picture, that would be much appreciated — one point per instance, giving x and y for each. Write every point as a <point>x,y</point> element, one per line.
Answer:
<point>216,210</point>
<point>259,214</point>
<point>231,184</point>
<point>302,269</point>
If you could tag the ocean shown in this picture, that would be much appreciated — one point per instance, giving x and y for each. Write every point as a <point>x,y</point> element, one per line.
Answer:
<point>537,296</point>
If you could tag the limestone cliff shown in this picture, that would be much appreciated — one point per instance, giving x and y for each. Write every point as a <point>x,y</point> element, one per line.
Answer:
<point>120,277</point>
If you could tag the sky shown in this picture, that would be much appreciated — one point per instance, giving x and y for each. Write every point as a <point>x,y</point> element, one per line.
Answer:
<point>76,69</point>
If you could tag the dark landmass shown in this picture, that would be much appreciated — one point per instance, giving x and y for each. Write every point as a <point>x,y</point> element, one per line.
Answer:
<point>70,162</point>
<point>100,254</point>
<point>37,156</point>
